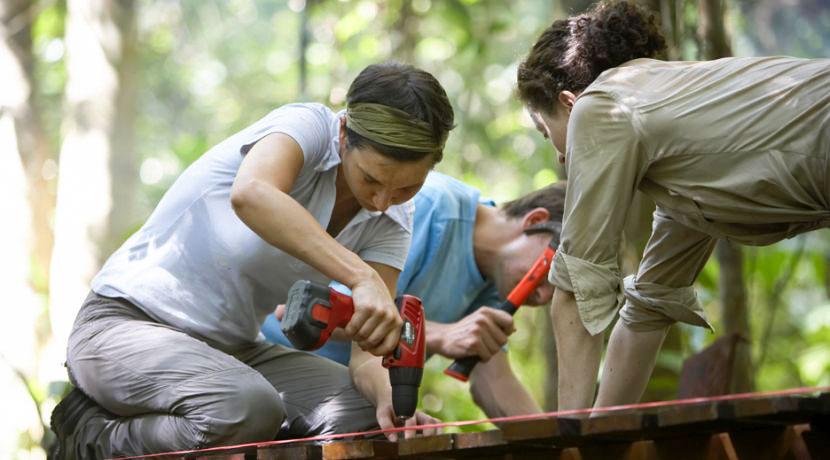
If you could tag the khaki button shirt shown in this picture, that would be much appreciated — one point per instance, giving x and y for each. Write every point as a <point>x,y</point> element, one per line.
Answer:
<point>735,148</point>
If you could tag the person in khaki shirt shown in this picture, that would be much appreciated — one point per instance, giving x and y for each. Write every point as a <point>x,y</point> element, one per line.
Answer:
<point>735,148</point>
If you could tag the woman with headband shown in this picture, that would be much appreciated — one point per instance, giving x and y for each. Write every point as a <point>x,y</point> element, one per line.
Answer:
<point>165,353</point>
<point>735,148</point>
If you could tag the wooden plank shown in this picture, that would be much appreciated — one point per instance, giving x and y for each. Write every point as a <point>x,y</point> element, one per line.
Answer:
<point>695,447</point>
<point>481,444</point>
<point>236,456</point>
<point>672,416</point>
<point>425,444</point>
<point>547,453</point>
<point>618,426</point>
<point>605,451</point>
<point>301,451</point>
<point>758,428</point>
<point>710,371</point>
<point>745,408</point>
<point>764,444</point>
<point>531,429</point>
<point>240,453</point>
<point>614,424</point>
<point>735,415</point>
<point>817,442</point>
<point>816,408</point>
<point>555,454</point>
<point>799,447</point>
<point>205,456</point>
<point>491,445</point>
<point>362,448</point>
<point>641,450</point>
<point>785,410</point>
<point>478,439</point>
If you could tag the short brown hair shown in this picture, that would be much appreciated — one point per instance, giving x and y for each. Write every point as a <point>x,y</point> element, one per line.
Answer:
<point>551,197</point>
<point>406,88</point>
<point>571,53</point>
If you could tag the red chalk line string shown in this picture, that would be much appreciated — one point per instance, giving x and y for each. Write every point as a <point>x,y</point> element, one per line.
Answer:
<point>514,418</point>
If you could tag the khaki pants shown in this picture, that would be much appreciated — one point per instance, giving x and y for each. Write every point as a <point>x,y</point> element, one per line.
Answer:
<point>170,391</point>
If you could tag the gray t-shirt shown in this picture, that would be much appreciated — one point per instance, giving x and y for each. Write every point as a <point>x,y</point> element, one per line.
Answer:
<point>196,266</point>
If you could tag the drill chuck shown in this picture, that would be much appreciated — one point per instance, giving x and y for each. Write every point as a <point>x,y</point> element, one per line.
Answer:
<point>405,382</point>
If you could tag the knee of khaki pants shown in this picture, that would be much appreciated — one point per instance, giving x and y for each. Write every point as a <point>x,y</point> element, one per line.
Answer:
<point>237,406</point>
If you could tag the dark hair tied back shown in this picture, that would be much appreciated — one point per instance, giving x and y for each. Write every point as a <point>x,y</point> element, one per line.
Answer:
<point>410,90</point>
<point>571,53</point>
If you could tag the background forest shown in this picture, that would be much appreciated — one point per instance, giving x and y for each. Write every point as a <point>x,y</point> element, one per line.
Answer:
<point>104,102</point>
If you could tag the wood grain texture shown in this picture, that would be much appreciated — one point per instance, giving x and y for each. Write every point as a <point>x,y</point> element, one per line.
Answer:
<point>786,428</point>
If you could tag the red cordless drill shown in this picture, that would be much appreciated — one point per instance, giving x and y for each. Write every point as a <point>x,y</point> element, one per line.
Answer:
<point>462,368</point>
<point>314,311</point>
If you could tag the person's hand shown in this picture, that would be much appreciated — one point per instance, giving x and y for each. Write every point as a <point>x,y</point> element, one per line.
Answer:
<point>376,323</point>
<point>481,333</point>
<point>279,312</point>
<point>387,419</point>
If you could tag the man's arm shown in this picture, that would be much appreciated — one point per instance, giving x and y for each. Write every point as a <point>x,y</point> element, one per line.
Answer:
<point>498,392</point>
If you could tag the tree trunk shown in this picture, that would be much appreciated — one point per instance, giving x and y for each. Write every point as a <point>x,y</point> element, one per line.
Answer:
<point>302,62</point>
<point>99,34</point>
<point>25,238</point>
<point>405,34</point>
<point>18,96</point>
<point>124,215</point>
<point>710,30</point>
<point>671,17</point>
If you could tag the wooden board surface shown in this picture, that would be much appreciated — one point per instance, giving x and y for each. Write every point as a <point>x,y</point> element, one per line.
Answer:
<point>787,427</point>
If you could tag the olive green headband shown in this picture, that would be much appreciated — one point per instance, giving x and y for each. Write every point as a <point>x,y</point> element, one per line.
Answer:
<point>393,127</point>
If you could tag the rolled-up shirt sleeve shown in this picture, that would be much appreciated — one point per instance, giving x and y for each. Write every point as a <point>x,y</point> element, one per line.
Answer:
<point>662,291</point>
<point>605,162</point>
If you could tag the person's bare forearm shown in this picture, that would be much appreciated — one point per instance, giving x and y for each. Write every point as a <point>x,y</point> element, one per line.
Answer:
<point>282,222</point>
<point>578,353</point>
<point>497,390</point>
<point>434,336</point>
<point>370,378</point>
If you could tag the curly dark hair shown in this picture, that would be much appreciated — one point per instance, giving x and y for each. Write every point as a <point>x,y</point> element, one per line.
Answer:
<point>407,88</point>
<point>571,53</point>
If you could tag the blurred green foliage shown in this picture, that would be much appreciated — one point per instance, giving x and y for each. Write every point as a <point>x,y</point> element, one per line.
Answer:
<point>210,68</point>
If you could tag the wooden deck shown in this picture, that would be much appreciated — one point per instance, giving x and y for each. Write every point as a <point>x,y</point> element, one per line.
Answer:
<point>787,427</point>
